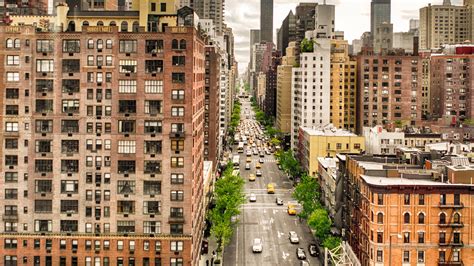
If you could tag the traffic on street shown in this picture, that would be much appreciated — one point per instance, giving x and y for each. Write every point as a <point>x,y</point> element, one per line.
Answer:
<point>268,232</point>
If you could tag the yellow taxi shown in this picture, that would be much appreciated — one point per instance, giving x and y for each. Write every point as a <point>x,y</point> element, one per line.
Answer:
<point>291,209</point>
<point>252,177</point>
<point>249,159</point>
<point>258,165</point>
<point>270,189</point>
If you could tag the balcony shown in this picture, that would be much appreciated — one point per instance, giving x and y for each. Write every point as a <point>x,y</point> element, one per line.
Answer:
<point>452,224</point>
<point>456,205</point>
<point>450,263</point>
<point>177,134</point>
<point>452,244</point>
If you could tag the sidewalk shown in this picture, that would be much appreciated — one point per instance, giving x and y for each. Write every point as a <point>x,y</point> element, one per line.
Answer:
<point>208,256</point>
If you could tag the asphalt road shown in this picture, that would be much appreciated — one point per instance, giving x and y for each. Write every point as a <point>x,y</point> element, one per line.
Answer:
<point>264,219</point>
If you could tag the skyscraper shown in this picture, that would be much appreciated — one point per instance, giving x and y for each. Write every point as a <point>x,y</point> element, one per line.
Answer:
<point>379,13</point>
<point>266,20</point>
<point>211,9</point>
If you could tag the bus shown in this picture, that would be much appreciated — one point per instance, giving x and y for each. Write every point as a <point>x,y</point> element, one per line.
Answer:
<point>236,160</point>
<point>240,148</point>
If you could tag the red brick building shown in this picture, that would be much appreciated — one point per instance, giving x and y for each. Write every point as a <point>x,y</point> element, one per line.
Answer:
<point>102,146</point>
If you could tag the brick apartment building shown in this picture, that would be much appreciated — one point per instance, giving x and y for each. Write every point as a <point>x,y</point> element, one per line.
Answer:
<point>389,88</point>
<point>102,143</point>
<point>399,214</point>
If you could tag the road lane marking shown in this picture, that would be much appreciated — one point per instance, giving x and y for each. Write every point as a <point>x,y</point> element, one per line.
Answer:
<point>285,255</point>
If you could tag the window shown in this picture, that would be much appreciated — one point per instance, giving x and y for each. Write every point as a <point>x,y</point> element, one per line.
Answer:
<point>11,143</point>
<point>125,146</point>
<point>43,225</point>
<point>153,107</point>
<point>406,218</point>
<point>69,146</point>
<point>163,7</point>
<point>379,237</point>
<point>421,237</point>
<point>153,46</point>
<point>151,207</point>
<point>13,60</point>
<point>68,225</point>
<point>128,66</point>
<point>108,44</point>
<point>69,206</point>
<point>71,65</point>
<point>153,66</point>
<point>10,260</point>
<point>126,226</point>
<point>11,160</point>
<point>179,60</point>
<point>177,245</point>
<point>406,199</point>
<point>71,46</point>
<point>177,94</point>
<point>44,106</point>
<point>421,256</point>
<point>70,85</point>
<point>43,186</point>
<point>44,46</point>
<point>69,166</point>
<point>153,86</point>
<point>153,126</point>
<point>152,227</point>
<point>69,186</point>
<point>442,256</point>
<point>152,187</point>
<point>456,218</point>
<point>11,177</point>
<point>406,237</point>
<point>153,147</point>
<point>177,145</point>
<point>44,165</point>
<point>177,195</point>
<point>178,77</point>
<point>421,199</point>
<point>182,44</point>
<point>176,212</point>
<point>11,110</point>
<point>126,126</point>
<point>421,218</point>
<point>457,199</point>
<point>10,243</point>
<point>177,111</point>
<point>11,126</point>
<point>380,218</point>
<point>13,76</point>
<point>45,65</point>
<point>12,93</point>
<point>177,178</point>
<point>127,46</point>
<point>44,126</point>
<point>177,128</point>
<point>176,228</point>
<point>127,86</point>
<point>125,167</point>
<point>125,187</point>
<point>152,167</point>
<point>127,106</point>
<point>177,162</point>
<point>42,146</point>
<point>70,106</point>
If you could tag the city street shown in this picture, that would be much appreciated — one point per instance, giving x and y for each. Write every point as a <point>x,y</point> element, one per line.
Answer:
<point>265,219</point>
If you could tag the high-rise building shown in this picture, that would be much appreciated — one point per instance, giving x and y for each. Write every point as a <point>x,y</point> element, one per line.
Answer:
<point>444,24</point>
<point>324,21</point>
<point>254,39</point>
<point>380,12</point>
<point>310,89</point>
<point>104,161</point>
<point>283,109</point>
<point>383,37</point>
<point>286,33</point>
<point>266,20</point>
<point>343,86</point>
<point>211,9</point>
<point>271,84</point>
<point>389,89</point>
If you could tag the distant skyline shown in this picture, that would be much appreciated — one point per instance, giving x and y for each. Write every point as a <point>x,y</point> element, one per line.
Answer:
<point>352,17</point>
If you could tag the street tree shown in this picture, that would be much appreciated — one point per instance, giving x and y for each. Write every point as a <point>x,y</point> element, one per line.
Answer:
<point>307,194</point>
<point>331,242</point>
<point>320,222</point>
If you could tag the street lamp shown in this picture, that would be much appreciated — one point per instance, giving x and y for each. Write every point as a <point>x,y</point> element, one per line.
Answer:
<point>390,247</point>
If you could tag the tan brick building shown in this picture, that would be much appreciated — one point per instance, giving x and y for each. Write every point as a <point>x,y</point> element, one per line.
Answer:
<point>104,137</point>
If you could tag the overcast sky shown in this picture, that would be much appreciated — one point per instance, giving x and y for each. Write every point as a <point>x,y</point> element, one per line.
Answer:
<point>352,17</point>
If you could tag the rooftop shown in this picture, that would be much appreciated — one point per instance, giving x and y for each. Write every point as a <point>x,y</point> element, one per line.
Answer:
<point>328,130</point>
<point>385,181</point>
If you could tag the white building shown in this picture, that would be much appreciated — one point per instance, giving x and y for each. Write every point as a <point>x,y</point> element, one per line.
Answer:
<point>379,141</point>
<point>311,89</point>
<point>327,178</point>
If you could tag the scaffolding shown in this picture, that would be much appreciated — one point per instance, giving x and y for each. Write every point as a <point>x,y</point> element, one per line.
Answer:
<point>341,255</point>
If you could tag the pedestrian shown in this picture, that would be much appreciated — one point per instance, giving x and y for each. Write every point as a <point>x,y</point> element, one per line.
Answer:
<point>207,262</point>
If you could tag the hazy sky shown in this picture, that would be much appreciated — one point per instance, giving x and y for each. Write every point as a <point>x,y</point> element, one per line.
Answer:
<point>352,17</point>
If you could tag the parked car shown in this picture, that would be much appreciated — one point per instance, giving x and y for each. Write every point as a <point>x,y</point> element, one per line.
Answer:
<point>313,250</point>
<point>293,237</point>
<point>257,246</point>
<point>300,254</point>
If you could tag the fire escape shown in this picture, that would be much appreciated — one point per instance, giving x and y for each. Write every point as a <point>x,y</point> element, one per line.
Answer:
<point>450,226</point>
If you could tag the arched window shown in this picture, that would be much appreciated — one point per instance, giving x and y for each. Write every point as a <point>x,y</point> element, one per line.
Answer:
<point>9,43</point>
<point>113,23</point>
<point>71,26</point>
<point>182,44</point>
<point>174,44</point>
<point>457,218</point>
<point>17,43</point>
<point>406,218</point>
<point>421,218</point>
<point>135,26</point>
<point>380,218</point>
<point>100,44</point>
<point>100,23</point>
<point>108,44</point>
<point>124,26</point>
<point>85,23</point>
<point>442,218</point>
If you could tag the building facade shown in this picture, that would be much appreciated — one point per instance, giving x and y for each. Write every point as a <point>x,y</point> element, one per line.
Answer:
<point>271,85</point>
<point>380,12</point>
<point>266,21</point>
<point>284,77</point>
<point>105,143</point>
<point>380,141</point>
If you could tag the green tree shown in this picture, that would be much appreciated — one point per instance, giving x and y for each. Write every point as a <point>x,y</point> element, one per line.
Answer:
<point>275,142</point>
<point>307,46</point>
<point>331,242</point>
<point>307,194</point>
<point>320,222</point>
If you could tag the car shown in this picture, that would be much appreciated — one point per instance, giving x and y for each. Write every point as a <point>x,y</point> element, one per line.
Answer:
<point>304,263</point>
<point>257,246</point>
<point>293,237</point>
<point>300,254</point>
<point>270,189</point>
<point>252,177</point>
<point>291,209</point>
<point>279,201</point>
<point>248,160</point>
<point>260,160</point>
<point>249,153</point>
<point>279,167</point>
<point>253,198</point>
<point>262,154</point>
<point>258,173</point>
<point>313,250</point>
<point>258,165</point>
<point>267,152</point>
<point>247,166</point>
<point>255,152</point>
